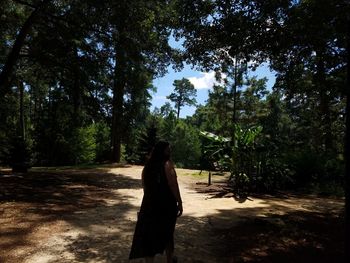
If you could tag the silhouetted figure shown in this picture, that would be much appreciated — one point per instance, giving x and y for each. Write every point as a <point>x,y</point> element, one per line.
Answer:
<point>161,205</point>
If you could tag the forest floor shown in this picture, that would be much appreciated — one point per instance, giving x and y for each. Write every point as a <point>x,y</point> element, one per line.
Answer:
<point>89,215</point>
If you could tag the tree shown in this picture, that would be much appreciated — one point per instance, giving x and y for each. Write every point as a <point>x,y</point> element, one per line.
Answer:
<point>183,94</point>
<point>304,42</point>
<point>252,101</point>
<point>70,55</point>
<point>14,53</point>
<point>166,109</point>
<point>347,149</point>
<point>219,100</point>
<point>140,33</point>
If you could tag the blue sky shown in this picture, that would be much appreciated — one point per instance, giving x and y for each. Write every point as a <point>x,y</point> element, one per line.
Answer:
<point>202,81</point>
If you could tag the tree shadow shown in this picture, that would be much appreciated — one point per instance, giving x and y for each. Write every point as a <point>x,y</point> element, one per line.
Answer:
<point>274,233</point>
<point>220,190</point>
<point>294,236</point>
<point>64,187</point>
<point>99,209</point>
<point>82,199</point>
<point>287,227</point>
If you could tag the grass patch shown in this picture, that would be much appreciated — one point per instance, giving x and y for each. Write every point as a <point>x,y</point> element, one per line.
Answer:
<point>193,173</point>
<point>197,174</point>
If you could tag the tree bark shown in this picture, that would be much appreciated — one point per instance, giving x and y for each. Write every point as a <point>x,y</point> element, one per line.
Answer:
<point>21,110</point>
<point>326,124</point>
<point>234,117</point>
<point>13,56</point>
<point>20,154</point>
<point>347,154</point>
<point>118,100</point>
<point>77,90</point>
<point>178,111</point>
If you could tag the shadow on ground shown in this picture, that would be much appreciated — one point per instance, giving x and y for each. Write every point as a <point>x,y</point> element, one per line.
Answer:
<point>97,206</point>
<point>86,200</point>
<point>288,228</point>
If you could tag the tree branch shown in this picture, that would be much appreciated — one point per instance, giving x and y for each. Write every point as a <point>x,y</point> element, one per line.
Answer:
<point>24,3</point>
<point>17,46</point>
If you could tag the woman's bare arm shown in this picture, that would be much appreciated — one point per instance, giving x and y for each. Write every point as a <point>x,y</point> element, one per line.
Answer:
<point>173,184</point>
<point>143,179</point>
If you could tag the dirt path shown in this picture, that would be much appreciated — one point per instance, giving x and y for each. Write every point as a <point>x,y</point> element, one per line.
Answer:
<point>89,216</point>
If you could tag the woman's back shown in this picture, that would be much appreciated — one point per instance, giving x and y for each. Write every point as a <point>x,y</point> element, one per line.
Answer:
<point>156,188</point>
<point>155,226</point>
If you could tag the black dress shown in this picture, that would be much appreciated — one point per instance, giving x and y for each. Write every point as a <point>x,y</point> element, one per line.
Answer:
<point>157,217</point>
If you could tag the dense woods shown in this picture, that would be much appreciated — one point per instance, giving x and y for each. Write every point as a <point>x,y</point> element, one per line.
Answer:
<point>76,85</point>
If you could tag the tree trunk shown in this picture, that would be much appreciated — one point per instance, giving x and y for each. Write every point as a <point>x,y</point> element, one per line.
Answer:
<point>19,42</point>
<point>326,124</point>
<point>117,107</point>
<point>77,90</point>
<point>19,154</point>
<point>234,117</point>
<point>21,110</point>
<point>178,111</point>
<point>347,155</point>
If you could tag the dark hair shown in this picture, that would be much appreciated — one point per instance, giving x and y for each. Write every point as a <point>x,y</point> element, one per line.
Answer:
<point>154,167</point>
<point>157,154</point>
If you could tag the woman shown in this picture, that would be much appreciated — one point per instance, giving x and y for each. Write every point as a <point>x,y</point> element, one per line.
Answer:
<point>161,205</point>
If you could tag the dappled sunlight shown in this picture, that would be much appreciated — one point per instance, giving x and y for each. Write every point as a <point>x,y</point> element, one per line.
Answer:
<point>90,215</point>
<point>197,206</point>
<point>49,210</point>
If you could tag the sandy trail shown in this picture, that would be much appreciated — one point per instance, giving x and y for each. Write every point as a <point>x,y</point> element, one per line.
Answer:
<point>90,215</point>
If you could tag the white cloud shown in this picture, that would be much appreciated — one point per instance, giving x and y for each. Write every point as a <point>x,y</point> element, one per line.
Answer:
<point>158,97</point>
<point>206,81</point>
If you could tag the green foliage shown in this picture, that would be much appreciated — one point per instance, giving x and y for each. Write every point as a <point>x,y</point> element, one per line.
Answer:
<point>273,174</point>
<point>238,156</point>
<point>86,68</point>
<point>146,141</point>
<point>206,118</point>
<point>8,127</point>
<point>83,144</point>
<point>102,141</point>
<point>186,148</point>
<point>311,166</point>
<point>183,94</point>
<point>90,144</point>
<point>244,167</point>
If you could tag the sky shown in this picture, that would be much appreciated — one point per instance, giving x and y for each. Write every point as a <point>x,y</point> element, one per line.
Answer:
<point>202,81</point>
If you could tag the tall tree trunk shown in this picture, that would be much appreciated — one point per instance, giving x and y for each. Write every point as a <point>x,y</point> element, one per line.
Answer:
<point>21,110</point>
<point>234,93</point>
<point>117,107</point>
<point>326,124</point>
<point>19,42</point>
<point>178,111</point>
<point>77,91</point>
<point>19,154</point>
<point>234,117</point>
<point>77,101</point>
<point>347,154</point>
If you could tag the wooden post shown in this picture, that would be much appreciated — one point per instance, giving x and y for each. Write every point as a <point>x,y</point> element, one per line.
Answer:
<point>209,178</point>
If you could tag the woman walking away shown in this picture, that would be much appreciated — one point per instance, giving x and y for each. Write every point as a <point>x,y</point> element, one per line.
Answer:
<point>161,205</point>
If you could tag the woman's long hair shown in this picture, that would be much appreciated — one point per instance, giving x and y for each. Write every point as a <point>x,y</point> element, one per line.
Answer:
<point>158,156</point>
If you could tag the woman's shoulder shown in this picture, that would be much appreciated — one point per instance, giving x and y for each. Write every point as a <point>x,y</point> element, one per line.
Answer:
<point>169,164</point>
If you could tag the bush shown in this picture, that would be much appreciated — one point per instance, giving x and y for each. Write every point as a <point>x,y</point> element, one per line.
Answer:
<point>186,146</point>
<point>102,139</point>
<point>83,144</point>
<point>274,174</point>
